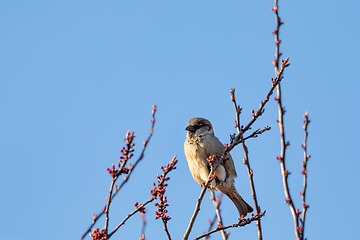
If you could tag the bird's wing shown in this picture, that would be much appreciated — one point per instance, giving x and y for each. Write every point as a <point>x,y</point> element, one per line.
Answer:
<point>213,146</point>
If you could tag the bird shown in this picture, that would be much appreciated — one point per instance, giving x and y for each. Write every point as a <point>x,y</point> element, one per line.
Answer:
<point>201,143</point>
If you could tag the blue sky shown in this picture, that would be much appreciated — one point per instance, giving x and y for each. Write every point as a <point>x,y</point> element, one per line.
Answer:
<point>76,75</point>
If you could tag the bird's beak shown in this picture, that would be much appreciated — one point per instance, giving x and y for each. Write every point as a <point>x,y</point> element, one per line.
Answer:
<point>190,128</point>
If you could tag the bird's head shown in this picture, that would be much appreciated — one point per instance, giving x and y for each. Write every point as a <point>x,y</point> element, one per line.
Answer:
<point>198,126</point>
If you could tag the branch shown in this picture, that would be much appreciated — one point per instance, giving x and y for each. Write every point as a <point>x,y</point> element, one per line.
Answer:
<point>158,189</point>
<point>304,172</point>
<point>152,121</point>
<point>127,153</point>
<point>202,193</point>
<point>242,222</point>
<point>211,224</point>
<point>285,173</point>
<point>237,110</point>
<point>261,110</point>
<point>166,229</point>
<point>275,83</point>
<point>217,203</point>
<point>246,157</point>
<point>131,169</point>
<point>139,207</point>
<point>257,132</point>
<point>142,215</point>
<point>108,204</point>
<point>237,140</point>
<point>197,207</point>
<point>252,185</point>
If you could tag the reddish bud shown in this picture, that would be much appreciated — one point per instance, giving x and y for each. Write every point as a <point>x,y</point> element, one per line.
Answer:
<point>275,9</point>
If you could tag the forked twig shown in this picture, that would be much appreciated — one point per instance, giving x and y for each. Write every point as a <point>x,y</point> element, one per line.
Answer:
<point>285,173</point>
<point>158,190</point>
<point>242,222</point>
<point>202,193</point>
<point>96,217</point>
<point>246,158</point>
<point>237,140</point>
<point>304,172</point>
<point>211,224</point>
<point>252,186</point>
<point>217,203</point>
<point>139,207</point>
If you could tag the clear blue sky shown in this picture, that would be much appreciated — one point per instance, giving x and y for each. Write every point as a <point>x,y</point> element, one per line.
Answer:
<point>76,75</point>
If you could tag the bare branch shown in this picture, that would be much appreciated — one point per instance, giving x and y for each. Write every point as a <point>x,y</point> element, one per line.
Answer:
<point>197,208</point>
<point>127,153</point>
<point>257,132</point>
<point>145,143</point>
<point>108,204</point>
<point>246,157</point>
<point>261,110</point>
<point>240,223</point>
<point>202,193</point>
<point>285,173</point>
<point>158,189</point>
<point>131,214</point>
<point>217,203</point>
<point>211,224</point>
<point>237,110</point>
<point>238,139</point>
<point>159,192</point>
<point>131,169</point>
<point>142,215</point>
<point>304,172</point>
<point>252,185</point>
<point>166,229</point>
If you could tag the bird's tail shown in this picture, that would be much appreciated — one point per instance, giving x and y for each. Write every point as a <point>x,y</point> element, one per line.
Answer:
<point>242,207</point>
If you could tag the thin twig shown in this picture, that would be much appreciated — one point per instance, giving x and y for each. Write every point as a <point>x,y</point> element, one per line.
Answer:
<point>257,132</point>
<point>166,228</point>
<point>159,192</point>
<point>205,186</point>
<point>275,82</point>
<point>285,173</point>
<point>211,224</point>
<point>131,214</point>
<point>237,110</point>
<point>115,173</point>
<point>197,208</point>
<point>237,140</point>
<point>109,198</point>
<point>261,110</point>
<point>240,223</point>
<point>160,186</point>
<point>252,185</point>
<point>131,169</point>
<point>246,158</point>
<point>142,215</point>
<point>217,203</point>
<point>145,143</point>
<point>304,172</point>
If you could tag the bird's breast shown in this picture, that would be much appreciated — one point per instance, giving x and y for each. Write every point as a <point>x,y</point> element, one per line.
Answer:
<point>196,158</point>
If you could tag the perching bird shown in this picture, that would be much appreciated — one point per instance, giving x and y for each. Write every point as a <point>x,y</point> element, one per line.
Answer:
<point>201,143</point>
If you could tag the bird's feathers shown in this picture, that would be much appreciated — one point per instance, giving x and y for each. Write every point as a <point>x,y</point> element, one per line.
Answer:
<point>199,145</point>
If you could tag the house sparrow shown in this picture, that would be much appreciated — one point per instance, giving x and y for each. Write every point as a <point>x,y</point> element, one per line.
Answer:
<point>201,143</point>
